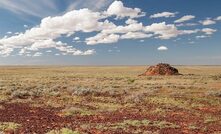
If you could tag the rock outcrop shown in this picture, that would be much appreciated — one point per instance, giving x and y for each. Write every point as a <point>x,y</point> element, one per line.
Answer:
<point>161,69</point>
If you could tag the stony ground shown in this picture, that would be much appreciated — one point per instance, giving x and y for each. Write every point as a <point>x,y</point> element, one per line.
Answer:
<point>109,100</point>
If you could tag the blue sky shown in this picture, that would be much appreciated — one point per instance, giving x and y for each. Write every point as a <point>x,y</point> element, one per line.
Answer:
<point>108,32</point>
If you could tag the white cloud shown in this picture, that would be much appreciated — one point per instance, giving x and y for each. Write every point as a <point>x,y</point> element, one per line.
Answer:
<point>76,38</point>
<point>102,38</point>
<point>5,51</point>
<point>162,30</point>
<point>135,30</point>
<point>136,35</point>
<point>48,51</point>
<point>118,9</point>
<point>192,42</point>
<point>201,37</point>
<point>218,18</point>
<point>9,32</point>
<point>46,35</point>
<point>162,48</point>
<point>124,29</point>
<point>22,51</point>
<point>207,22</point>
<point>17,33</point>
<point>208,31</point>
<point>25,26</point>
<point>37,54</point>
<point>41,44</point>
<point>163,14</point>
<point>190,31</point>
<point>185,18</point>
<point>187,24</point>
<point>89,52</point>
<point>51,28</point>
<point>131,21</point>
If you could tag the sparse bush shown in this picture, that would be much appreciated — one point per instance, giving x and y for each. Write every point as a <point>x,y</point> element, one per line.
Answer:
<point>24,94</point>
<point>114,92</point>
<point>136,98</point>
<point>20,94</point>
<point>214,93</point>
<point>54,93</point>
<point>216,77</point>
<point>63,131</point>
<point>210,119</point>
<point>83,91</point>
<point>6,126</point>
<point>130,81</point>
<point>192,127</point>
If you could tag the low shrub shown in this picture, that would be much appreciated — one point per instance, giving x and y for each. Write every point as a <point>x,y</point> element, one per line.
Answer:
<point>63,131</point>
<point>21,94</point>
<point>214,93</point>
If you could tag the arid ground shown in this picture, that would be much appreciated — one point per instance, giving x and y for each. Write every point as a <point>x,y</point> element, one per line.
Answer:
<point>109,100</point>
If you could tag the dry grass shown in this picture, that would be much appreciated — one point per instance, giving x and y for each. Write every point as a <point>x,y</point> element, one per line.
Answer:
<point>92,90</point>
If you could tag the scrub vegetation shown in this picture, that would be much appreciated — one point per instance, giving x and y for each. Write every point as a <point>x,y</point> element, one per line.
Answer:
<point>106,100</point>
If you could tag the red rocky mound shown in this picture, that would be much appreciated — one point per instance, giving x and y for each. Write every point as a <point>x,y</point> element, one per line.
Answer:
<point>161,69</point>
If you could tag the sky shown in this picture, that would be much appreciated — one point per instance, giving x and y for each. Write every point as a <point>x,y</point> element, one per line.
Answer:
<point>109,32</point>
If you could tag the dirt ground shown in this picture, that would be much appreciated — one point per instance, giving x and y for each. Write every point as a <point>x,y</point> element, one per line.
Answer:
<point>109,100</point>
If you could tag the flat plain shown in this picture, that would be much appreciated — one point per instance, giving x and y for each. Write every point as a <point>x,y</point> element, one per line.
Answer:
<point>109,100</point>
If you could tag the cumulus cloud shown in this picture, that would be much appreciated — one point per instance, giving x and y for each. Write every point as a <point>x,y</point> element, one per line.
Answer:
<point>218,18</point>
<point>163,14</point>
<point>9,32</point>
<point>37,54</point>
<point>208,21</point>
<point>46,35</point>
<point>131,21</point>
<point>102,38</point>
<point>186,24</point>
<point>185,18</point>
<point>135,30</point>
<point>25,26</point>
<point>5,51</point>
<point>118,9</point>
<point>124,29</point>
<point>201,36</point>
<point>208,31</point>
<point>51,28</point>
<point>167,31</point>
<point>162,30</point>
<point>48,51</point>
<point>76,38</point>
<point>136,35</point>
<point>190,31</point>
<point>162,48</point>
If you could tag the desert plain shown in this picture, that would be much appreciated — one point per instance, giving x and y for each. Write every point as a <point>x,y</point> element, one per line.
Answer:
<point>109,100</point>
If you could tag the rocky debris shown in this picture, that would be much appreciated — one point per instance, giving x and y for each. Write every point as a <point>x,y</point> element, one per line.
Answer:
<point>161,69</point>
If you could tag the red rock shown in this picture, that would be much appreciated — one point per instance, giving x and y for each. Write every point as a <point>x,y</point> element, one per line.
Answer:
<point>161,69</point>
